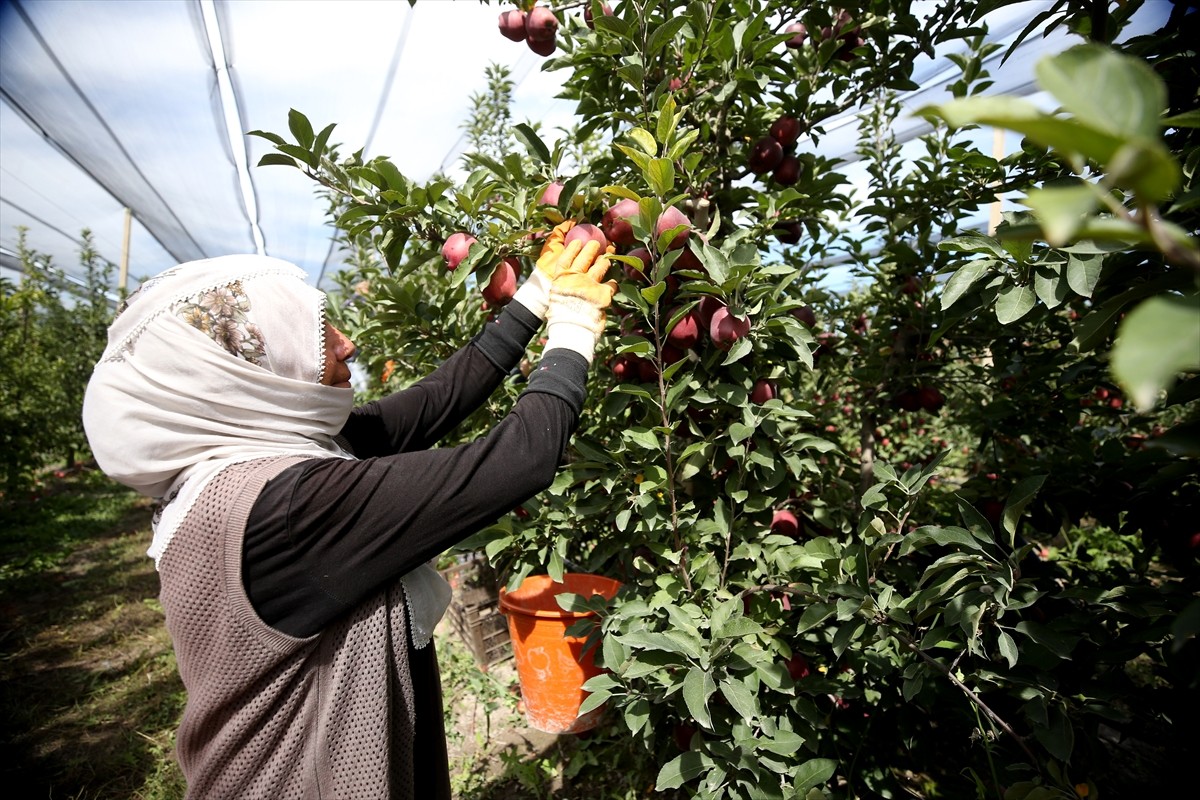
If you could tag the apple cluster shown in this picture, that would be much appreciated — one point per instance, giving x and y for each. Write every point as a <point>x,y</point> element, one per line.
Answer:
<point>920,398</point>
<point>843,28</point>
<point>711,316</point>
<point>775,153</point>
<point>538,28</point>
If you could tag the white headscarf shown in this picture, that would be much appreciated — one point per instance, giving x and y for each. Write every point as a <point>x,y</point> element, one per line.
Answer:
<point>215,362</point>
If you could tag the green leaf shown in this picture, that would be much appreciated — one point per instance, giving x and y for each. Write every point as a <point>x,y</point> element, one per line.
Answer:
<point>1013,302</point>
<point>680,770</point>
<point>973,243</point>
<point>1018,498</point>
<point>682,144</point>
<point>1008,648</point>
<point>645,140</point>
<point>1156,340</point>
<point>637,156</point>
<point>660,174</point>
<point>653,292</point>
<point>1061,210</point>
<point>741,348</point>
<point>962,280</point>
<point>1083,272</point>
<point>740,698</point>
<point>1059,737</point>
<point>1188,119</point>
<point>593,701</point>
<point>533,143</point>
<point>277,159</point>
<point>662,34</point>
<point>1049,284</point>
<point>698,686</point>
<point>714,261</point>
<point>301,128</point>
<point>784,743</point>
<point>813,772</point>
<point>556,567</point>
<point>1106,89</point>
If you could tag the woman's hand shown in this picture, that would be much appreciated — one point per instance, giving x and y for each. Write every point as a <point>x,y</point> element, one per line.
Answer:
<point>559,258</point>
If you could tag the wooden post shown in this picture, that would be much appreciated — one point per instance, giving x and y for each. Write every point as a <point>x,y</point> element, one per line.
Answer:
<point>123,277</point>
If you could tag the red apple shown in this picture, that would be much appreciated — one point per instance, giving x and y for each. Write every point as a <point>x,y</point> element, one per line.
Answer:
<point>786,130</point>
<point>643,274</point>
<point>765,155</point>
<point>725,328</point>
<point>931,399</point>
<point>682,734</point>
<point>616,222</point>
<point>846,51</point>
<point>503,284</point>
<point>788,232</point>
<point>708,306</point>
<point>785,523</point>
<point>646,369</point>
<point>585,232</point>
<point>551,194</point>
<point>605,9</point>
<point>623,369</point>
<point>541,24</point>
<point>688,260</point>
<point>763,391</point>
<point>512,25</point>
<point>799,34</point>
<point>670,218</point>
<point>671,354</point>
<point>797,666</point>
<point>805,315</point>
<point>543,47</point>
<point>456,248</point>
<point>686,332</point>
<point>788,171</point>
<point>908,400</point>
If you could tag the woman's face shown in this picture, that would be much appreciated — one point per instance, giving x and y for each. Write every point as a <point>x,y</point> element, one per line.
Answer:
<point>338,350</point>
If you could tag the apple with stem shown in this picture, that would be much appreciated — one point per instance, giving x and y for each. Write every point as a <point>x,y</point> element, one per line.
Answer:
<point>763,391</point>
<point>616,222</point>
<point>725,327</point>
<point>765,155</point>
<point>503,283</point>
<point>512,25</point>
<point>686,332</point>
<point>670,219</point>
<point>456,248</point>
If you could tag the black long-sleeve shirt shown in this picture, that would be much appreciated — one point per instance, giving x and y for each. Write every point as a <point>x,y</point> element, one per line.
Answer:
<point>326,533</point>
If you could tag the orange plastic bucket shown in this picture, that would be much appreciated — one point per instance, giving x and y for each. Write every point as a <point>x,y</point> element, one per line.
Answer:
<point>552,666</point>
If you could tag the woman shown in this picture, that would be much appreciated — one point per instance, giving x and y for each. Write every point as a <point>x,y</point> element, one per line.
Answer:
<point>294,532</point>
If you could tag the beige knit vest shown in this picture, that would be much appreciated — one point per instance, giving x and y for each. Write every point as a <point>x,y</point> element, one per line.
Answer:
<point>269,716</point>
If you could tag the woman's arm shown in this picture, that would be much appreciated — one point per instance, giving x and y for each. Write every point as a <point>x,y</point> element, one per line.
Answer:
<point>419,416</point>
<point>326,533</point>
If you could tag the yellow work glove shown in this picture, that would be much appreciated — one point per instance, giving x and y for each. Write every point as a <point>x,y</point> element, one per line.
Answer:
<point>556,258</point>
<point>575,312</point>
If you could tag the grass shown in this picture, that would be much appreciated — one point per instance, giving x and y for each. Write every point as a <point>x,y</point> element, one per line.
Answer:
<point>90,695</point>
<point>88,686</point>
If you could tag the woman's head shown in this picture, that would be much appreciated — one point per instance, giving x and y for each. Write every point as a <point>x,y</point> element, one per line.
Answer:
<point>226,358</point>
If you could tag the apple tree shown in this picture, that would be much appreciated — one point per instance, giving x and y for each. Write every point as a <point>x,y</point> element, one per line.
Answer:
<point>931,532</point>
